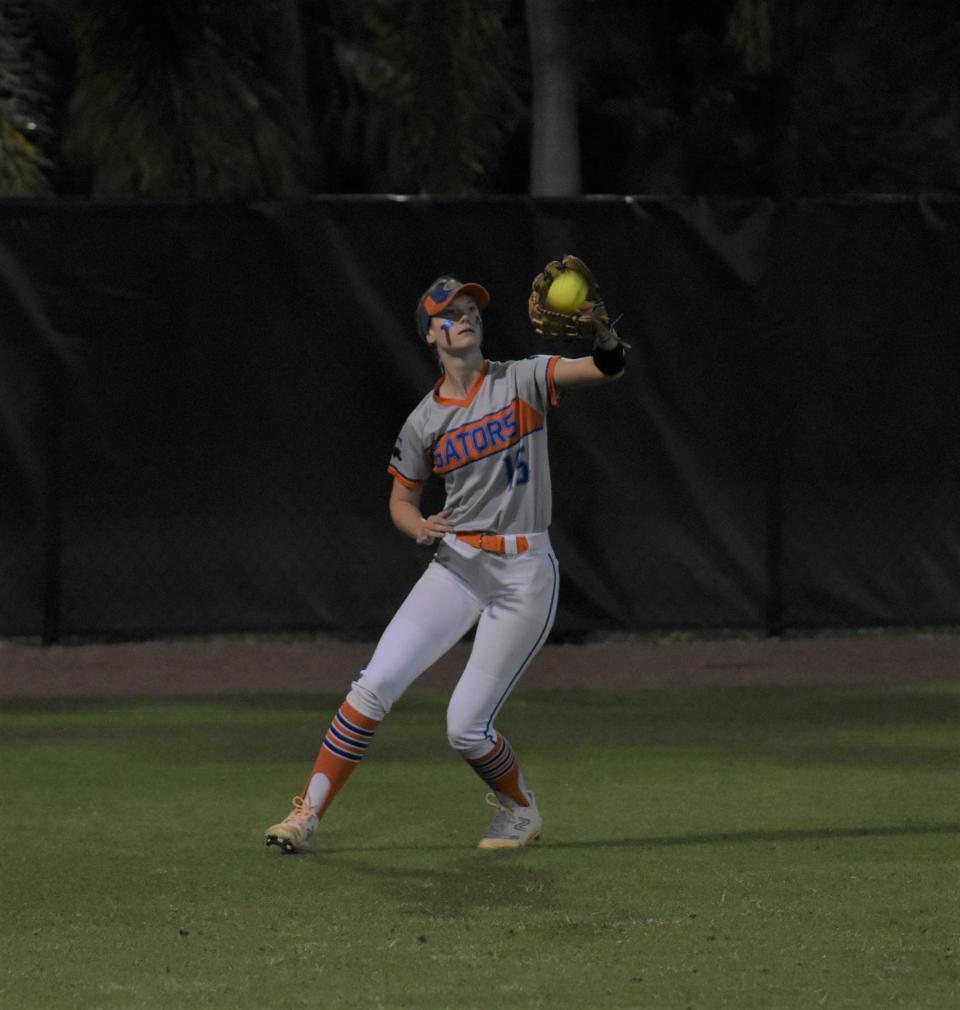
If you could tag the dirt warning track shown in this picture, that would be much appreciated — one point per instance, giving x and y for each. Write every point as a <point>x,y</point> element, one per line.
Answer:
<point>243,666</point>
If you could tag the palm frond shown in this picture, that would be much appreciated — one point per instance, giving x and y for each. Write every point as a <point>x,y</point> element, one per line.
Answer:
<point>24,89</point>
<point>429,92</point>
<point>177,98</point>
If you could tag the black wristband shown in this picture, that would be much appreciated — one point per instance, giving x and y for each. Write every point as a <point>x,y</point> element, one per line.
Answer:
<point>610,361</point>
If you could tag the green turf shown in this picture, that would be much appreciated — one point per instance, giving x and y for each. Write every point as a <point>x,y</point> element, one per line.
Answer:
<point>706,847</point>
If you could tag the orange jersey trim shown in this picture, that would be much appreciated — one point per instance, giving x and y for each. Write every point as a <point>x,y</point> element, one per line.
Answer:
<point>405,481</point>
<point>551,381</point>
<point>449,401</point>
<point>485,437</point>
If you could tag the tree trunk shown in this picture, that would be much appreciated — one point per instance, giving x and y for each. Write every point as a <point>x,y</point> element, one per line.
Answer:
<point>555,141</point>
<point>751,33</point>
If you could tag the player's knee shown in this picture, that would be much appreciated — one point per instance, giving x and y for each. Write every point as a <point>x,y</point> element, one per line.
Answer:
<point>465,734</point>
<point>368,699</point>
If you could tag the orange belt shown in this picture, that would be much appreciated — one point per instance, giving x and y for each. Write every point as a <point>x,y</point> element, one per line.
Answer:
<point>493,543</point>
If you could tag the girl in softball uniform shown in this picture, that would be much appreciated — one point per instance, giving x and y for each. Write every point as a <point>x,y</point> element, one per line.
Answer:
<point>482,429</point>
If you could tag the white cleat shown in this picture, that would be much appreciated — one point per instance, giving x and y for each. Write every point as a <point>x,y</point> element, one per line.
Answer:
<point>296,831</point>
<point>512,825</point>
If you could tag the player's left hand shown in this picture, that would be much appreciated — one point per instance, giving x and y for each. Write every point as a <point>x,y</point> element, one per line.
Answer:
<point>591,320</point>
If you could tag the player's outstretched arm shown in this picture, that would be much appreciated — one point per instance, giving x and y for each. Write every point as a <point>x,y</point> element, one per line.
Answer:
<point>407,517</point>
<point>573,372</point>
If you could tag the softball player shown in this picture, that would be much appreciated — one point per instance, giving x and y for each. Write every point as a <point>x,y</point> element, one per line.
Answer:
<point>482,429</point>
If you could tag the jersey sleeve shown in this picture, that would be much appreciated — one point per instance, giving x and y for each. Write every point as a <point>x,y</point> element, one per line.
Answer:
<point>535,382</point>
<point>410,460</point>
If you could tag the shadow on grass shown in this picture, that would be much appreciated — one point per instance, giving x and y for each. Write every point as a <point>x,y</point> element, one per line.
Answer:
<point>480,881</point>
<point>677,841</point>
<point>750,837</point>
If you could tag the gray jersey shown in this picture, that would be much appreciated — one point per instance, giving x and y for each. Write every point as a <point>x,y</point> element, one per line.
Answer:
<point>490,448</point>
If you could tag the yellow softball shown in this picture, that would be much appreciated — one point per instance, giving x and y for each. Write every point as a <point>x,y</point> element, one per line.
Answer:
<point>568,292</point>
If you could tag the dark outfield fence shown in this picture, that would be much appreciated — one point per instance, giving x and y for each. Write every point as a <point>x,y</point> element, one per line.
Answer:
<point>198,403</point>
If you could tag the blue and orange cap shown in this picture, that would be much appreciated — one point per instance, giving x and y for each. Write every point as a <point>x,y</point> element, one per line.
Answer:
<point>441,293</point>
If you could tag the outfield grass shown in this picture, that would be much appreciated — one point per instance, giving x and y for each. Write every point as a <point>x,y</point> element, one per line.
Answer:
<point>763,847</point>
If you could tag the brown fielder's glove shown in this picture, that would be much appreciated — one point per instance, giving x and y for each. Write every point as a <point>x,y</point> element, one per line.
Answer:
<point>589,322</point>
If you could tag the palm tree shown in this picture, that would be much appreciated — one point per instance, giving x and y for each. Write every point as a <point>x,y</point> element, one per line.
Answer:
<point>178,98</point>
<point>868,91</point>
<point>24,97</point>
<point>423,95</point>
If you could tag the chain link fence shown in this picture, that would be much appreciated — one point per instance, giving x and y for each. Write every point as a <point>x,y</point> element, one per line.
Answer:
<point>198,403</point>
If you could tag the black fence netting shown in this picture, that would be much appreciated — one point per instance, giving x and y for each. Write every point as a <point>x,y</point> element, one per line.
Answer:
<point>198,404</point>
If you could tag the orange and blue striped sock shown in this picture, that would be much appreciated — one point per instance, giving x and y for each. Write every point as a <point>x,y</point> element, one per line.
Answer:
<point>500,770</point>
<point>349,735</point>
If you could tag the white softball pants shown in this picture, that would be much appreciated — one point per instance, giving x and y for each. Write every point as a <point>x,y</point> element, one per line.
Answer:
<point>513,603</point>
